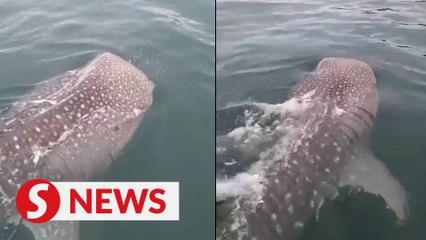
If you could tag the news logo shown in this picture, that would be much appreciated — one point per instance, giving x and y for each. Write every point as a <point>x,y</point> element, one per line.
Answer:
<point>39,201</point>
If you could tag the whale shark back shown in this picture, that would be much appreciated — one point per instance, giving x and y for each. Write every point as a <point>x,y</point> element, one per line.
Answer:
<point>96,107</point>
<point>73,126</point>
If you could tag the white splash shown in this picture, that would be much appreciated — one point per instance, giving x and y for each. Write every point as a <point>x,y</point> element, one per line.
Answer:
<point>286,125</point>
<point>37,154</point>
<point>338,111</point>
<point>241,184</point>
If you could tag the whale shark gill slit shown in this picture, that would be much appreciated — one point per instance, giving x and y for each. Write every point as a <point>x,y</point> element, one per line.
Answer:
<point>367,123</point>
<point>369,114</point>
<point>355,134</point>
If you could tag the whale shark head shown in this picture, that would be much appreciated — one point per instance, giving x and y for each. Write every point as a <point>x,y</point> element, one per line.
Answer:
<point>349,85</point>
<point>118,83</point>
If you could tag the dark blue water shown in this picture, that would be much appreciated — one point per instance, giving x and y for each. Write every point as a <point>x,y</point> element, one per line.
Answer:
<point>173,43</point>
<point>264,47</point>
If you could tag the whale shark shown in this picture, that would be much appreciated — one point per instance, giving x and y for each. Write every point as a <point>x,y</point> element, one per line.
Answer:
<point>279,164</point>
<point>69,128</point>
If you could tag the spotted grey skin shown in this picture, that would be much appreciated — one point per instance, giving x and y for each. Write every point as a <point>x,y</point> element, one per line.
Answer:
<point>71,127</point>
<point>344,104</point>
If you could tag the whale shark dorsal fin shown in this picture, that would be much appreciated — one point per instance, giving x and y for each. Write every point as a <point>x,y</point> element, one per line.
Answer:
<point>364,170</point>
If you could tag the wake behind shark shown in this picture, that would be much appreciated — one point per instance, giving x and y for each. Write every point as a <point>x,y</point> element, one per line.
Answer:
<point>294,155</point>
<point>70,128</point>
